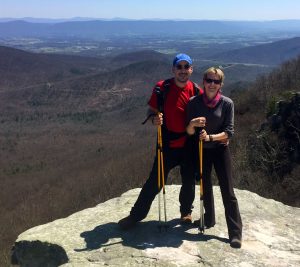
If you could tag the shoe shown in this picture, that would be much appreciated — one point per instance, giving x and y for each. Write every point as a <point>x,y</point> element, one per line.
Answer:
<point>186,219</point>
<point>236,242</point>
<point>127,223</point>
<point>207,226</point>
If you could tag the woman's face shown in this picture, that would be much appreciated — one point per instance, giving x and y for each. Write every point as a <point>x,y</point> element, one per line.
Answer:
<point>212,84</point>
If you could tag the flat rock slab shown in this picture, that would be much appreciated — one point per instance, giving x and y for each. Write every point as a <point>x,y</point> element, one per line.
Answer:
<point>91,237</point>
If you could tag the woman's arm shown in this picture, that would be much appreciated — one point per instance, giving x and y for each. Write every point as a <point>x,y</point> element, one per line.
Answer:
<point>221,137</point>
<point>196,122</point>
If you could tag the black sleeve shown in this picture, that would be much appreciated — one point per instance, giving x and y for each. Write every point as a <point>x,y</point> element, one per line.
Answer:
<point>229,119</point>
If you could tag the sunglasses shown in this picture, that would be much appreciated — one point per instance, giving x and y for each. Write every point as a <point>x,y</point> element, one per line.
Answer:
<point>180,67</point>
<point>213,81</point>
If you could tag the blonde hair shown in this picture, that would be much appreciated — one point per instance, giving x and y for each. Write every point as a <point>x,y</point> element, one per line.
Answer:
<point>215,70</point>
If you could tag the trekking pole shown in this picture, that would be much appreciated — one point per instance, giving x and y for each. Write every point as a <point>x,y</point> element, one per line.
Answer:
<point>158,175</point>
<point>161,178</point>
<point>201,221</point>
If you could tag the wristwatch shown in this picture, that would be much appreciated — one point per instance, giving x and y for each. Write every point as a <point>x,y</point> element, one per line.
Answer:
<point>211,138</point>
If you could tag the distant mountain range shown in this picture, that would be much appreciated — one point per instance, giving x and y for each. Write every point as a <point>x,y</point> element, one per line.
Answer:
<point>58,20</point>
<point>51,20</point>
<point>269,54</point>
<point>52,78</point>
<point>101,28</point>
<point>23,69</point>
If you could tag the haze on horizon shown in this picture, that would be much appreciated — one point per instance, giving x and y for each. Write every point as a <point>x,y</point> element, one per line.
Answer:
<point>167,9</point>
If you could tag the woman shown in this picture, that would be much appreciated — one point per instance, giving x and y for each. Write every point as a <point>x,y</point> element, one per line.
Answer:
<point>217,111</point>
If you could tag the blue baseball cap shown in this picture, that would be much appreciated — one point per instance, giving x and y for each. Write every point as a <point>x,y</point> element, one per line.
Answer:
<point>182,57</point>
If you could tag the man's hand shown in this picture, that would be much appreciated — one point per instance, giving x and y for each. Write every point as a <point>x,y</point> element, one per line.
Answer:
<point>157,119</point>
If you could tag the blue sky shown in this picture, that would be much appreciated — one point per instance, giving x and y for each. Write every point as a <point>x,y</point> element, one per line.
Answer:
<point>145,9</point>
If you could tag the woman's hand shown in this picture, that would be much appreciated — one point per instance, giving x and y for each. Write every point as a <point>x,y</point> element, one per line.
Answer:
<point>198,122</point>
<point>203,135</point>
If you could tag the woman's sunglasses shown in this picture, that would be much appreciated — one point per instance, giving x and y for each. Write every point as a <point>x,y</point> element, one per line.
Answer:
<point>213,81</point>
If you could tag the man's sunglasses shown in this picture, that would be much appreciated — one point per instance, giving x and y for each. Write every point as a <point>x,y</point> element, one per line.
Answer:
<point>212,80</point>
<point>180,67</point>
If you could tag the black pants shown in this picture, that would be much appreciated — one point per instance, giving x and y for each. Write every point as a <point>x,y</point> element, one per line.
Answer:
<point>221,160</point>
<point>172,157</point>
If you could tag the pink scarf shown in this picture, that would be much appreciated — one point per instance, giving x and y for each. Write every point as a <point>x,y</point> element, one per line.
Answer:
<point>213,102</point>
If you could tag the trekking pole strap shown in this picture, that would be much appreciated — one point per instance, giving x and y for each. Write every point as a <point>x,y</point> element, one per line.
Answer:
<point>148,117</point>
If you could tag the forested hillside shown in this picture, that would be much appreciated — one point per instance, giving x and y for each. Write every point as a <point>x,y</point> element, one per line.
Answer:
<point>20,68</point>
<point>267,144</point>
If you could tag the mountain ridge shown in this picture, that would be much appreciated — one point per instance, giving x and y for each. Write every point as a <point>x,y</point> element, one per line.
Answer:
<point>33,68</point>
<point>272,53</point>
<point>101,28</point>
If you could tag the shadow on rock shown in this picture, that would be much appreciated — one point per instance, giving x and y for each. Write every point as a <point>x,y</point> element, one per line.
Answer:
<point>144,235</point>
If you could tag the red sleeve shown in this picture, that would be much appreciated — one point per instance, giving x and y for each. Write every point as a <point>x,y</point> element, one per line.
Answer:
<point>153,99</point>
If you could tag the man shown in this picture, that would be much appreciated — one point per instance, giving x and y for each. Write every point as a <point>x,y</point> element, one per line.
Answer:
<point>177,92</point>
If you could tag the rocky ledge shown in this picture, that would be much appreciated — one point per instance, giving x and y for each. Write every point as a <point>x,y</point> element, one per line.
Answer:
<point>91,237</point>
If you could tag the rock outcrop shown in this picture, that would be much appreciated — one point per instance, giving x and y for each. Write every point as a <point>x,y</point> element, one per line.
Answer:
<point>271,237</point>
<point>276,148</point>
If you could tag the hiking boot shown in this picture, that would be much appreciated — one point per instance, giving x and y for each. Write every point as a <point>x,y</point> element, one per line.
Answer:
<point>206,225</point>
<point>186,219</point>
<point>236,242</point>
<point>127,223</point>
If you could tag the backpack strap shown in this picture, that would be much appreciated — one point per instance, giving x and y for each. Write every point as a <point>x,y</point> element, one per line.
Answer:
<point>162,94</point>
<point>161,97</point>
<point>197,89</point>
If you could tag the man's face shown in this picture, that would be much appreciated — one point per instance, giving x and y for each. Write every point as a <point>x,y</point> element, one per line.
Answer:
<point>182,71</point>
